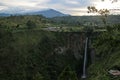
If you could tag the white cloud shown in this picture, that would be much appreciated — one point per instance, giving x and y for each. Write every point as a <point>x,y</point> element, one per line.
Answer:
<point>72,1</point>
<point>23,3</point>
<point>75,7</point>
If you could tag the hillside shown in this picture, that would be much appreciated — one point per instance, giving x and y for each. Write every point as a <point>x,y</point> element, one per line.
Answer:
<point>35,55</point>
<point>28,52</point>
<point>20,22</point>
<point>107,46</point>
<point>39,21</point>
<point>86,20</point>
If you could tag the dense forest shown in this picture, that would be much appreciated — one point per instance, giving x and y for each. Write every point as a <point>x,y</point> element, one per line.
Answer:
<point>28,52</point>
<point>86,20</point>
<point>107,47</point>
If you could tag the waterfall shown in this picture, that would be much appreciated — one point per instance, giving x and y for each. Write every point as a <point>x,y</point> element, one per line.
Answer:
<point>85,59</point>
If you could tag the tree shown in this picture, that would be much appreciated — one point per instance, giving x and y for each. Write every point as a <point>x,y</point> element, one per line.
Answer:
<point>30,24</point>
<point>67,74</point>
<point>103,12</point>
<point>38,76</point>
<point>7,53</point>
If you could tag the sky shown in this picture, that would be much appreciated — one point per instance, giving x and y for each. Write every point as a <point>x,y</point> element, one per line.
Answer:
<point>72,7</point>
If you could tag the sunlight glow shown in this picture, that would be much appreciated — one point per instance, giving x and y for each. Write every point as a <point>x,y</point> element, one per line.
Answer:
<point>104,5</point>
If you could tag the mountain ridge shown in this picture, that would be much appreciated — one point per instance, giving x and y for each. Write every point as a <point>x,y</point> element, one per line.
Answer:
<point>49,13</point>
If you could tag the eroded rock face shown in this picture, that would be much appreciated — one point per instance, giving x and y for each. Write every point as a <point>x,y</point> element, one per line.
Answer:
<point>74,44</point>
<point>60,50</point>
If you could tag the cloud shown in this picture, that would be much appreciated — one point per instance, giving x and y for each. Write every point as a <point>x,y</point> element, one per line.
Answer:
<point>67,6</point>
<point>71,6</point>
<point>22,3</point>
<point>2,4</point>
<point>76,2</point>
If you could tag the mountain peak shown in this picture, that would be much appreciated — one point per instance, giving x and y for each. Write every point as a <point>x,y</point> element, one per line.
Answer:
<point>52,9</point>
<point>50,13</point>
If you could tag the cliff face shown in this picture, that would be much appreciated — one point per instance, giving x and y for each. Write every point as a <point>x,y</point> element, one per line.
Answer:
<point>76,44</point>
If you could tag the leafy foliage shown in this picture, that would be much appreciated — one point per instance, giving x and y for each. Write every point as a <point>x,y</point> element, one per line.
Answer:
<point>29,55</point>
<point>108,54</point>
<point>103,12</point>
<point>67,74</point>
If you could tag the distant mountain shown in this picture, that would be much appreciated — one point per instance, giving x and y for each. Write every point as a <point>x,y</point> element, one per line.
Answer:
<point>49,13</point>
<point>4,14</point>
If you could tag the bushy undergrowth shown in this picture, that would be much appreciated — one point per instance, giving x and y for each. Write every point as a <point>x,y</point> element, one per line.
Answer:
<point>107,47</point>
<point>29,55</point>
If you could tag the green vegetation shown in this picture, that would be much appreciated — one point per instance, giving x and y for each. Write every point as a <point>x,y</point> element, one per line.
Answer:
<point>107,47</point>
<point>27,52</point>
<point>78,21</point>
<point>68,74</point>
<point>20,22</point>
<point>30,55</point>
